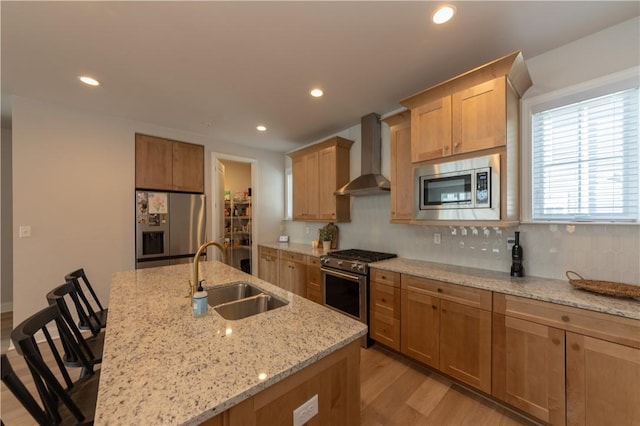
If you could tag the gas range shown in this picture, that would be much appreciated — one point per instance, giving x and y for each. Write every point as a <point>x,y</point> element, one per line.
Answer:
<point>353,260</point>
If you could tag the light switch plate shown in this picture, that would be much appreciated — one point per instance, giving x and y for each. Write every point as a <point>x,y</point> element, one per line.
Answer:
<point>25,231</point>
<point>284,238</point>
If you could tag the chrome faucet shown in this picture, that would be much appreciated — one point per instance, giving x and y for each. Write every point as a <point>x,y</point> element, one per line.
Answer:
<point>196,261</point>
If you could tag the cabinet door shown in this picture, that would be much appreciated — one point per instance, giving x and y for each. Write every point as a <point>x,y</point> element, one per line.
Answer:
<point>312,178</point>
<point>465,344</point>
<point>431,130</point>
<point>153,163</point>
<point>419,327</point>
<point>293,277</point>
<point>528,367</point>
<point>401,173</point>
<point>305,186</point>
<point>327,184</point>
<point>479,117</point>
<point>268,265</point>
<point>603,382</point>
<point>314,287</point>
<point>188,167</point>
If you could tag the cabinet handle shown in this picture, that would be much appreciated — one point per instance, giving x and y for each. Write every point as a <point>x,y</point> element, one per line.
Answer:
<point>439,290</point>
<point>575,347</point>
<point>384,300</point>
<point>565,318</point>
<point>434,307</point>
<point>555,341</point>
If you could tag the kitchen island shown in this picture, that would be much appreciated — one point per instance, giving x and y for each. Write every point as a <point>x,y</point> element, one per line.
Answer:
<point>163,366</point>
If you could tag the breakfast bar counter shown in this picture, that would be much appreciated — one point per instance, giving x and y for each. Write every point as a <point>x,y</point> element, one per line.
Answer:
<point>163,366</point>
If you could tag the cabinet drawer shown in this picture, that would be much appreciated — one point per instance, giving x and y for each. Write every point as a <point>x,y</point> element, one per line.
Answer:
<point>468,296</point>
<point>385,277</point>
<point>294,257</point>
<point>613,328</point>
<point>385,329</point>
<point>385,299</point>
<point>313,261</point>
<point>268,251</point>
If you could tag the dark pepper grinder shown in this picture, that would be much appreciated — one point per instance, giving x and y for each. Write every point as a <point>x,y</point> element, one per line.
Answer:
<point>517,270</point>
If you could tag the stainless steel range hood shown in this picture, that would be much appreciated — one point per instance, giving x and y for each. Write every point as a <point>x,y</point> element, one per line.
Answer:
<point>370,181</point>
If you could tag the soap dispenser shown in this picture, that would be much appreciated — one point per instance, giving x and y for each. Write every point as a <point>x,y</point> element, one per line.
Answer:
<point>200,301</point>
<point>517,269</point>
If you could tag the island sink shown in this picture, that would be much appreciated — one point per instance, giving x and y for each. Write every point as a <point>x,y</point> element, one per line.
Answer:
<point>241,299</point>
<point>231,292</point>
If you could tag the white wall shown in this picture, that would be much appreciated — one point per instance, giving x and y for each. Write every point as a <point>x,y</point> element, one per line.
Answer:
<point>73,183</point>
<point>609,252</point>
<point>6,253</point>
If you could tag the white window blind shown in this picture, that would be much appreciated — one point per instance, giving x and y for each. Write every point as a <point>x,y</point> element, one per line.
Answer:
<point>585,160</point>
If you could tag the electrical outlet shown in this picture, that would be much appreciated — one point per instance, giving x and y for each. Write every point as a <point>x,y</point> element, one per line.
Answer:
<point>307,230</point>
<point>436,238</point>
<point>306,411</point>
<point>25,231</point>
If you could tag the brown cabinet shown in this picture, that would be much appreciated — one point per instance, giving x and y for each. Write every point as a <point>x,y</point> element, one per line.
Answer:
<point>385,308</point>
<point>318,171</point>
<point>268,264</point>
<point>292,272</point>
<point>314,285</point>
<point>402,183</point>
<point>475,111</point>
<point>537,344</point>
<point>448,327</point>
<point>167,165</point>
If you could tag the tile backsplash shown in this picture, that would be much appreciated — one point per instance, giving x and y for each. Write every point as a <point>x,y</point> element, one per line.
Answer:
<point>606,252</point>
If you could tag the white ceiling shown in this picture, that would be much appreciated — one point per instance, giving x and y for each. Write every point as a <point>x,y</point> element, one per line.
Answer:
<point>220,68</point>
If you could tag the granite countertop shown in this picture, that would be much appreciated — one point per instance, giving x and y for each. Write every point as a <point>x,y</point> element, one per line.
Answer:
<point>545,289</point>
<point>163,366</point>
<point>299,248</point>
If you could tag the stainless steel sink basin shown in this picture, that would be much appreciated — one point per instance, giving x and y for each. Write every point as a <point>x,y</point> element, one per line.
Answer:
<point>249,306</point>
<point>231,292</point>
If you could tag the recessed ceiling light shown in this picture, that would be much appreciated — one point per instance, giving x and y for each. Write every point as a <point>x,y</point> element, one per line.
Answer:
<point>261,128</point>
<point>443,14</point>
<point>88,80</point>
<point>316,93</point>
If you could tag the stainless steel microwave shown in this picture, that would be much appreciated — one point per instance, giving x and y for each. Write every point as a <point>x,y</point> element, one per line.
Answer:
<point>459,190</point>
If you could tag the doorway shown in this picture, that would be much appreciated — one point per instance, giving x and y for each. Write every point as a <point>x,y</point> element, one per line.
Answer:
<point>233,209</point>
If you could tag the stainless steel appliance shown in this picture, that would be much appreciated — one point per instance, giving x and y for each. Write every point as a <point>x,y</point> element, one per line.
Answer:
<point>169,227</point>
<point>459,190</point>
<point>345,282</point>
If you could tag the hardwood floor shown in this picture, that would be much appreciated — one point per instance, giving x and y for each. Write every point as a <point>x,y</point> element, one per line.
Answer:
<point>394,392</point>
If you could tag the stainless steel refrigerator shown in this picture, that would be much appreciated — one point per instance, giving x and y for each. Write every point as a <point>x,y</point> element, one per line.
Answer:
<point>170,227</point>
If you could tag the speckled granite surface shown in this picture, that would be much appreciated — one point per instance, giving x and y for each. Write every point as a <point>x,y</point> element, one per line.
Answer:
<point>548,290</point>
<point>162,366</point>
<point>299,248</point>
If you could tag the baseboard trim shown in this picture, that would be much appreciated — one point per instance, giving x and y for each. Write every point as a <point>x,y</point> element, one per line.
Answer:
<point>6,307</point>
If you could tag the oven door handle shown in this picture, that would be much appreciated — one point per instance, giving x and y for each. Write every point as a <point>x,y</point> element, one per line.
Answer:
<point>347,276</point>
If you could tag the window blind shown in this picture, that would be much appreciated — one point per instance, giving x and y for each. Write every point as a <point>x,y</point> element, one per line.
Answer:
<point>585,160</point>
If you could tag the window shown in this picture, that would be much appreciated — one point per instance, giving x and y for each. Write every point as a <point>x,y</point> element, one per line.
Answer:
<point>585,156</point>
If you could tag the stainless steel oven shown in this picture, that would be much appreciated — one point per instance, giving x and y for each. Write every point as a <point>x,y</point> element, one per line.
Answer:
<point>345,282</point>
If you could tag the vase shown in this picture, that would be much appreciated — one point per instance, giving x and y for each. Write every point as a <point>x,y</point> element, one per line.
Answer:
<point>326,245</point>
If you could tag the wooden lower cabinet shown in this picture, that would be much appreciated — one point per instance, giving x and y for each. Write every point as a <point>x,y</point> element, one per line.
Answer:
<point>529,367</point>
<point>603,382</point>
<point>314,285</point>
<point>448,327</point>
<point>420,327</point>
<point>465,344</point>
<point>292,272</point>
<point>268,264</point>
<point>335,379</point>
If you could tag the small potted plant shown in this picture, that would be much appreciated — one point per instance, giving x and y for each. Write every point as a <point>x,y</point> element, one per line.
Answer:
<point>325,235</point>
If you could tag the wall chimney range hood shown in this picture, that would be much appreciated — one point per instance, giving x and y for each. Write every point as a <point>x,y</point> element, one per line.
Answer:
<point>370,181</point>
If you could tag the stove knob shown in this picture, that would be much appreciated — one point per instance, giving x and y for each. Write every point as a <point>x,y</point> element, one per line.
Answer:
<point>360,267</point>
<point>339,262</point>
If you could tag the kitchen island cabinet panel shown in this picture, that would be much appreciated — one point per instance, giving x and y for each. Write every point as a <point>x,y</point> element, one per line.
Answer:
<point>603,382</point>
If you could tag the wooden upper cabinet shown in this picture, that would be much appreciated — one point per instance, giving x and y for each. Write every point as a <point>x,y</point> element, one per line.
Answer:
<point>431,127</point>
<point>402,186</point>
<point>479,117</point>
<point>188,167</point>
<point>318,171</point>
<point>472,112</point>
<point>154,164</point>
<point>168,165</point>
